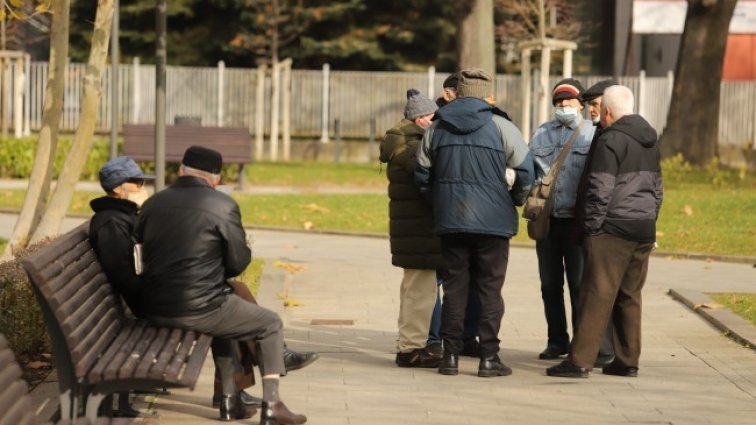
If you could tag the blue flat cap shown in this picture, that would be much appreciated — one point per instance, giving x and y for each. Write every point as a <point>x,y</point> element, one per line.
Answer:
<point>118,170</point>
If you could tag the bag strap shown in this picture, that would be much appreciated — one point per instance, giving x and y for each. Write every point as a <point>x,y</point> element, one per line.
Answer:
<point>557,165</point>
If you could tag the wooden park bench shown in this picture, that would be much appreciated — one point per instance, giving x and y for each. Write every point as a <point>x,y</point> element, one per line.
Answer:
<point>234,143</point>
<point>15,404</point>
<point>98,350</point>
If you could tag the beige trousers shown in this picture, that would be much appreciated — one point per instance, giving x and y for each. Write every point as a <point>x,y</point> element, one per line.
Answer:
<point>417,297</point>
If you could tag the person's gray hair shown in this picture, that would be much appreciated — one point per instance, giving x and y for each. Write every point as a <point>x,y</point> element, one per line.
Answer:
<point>200,173</point>
<point>620,100</point>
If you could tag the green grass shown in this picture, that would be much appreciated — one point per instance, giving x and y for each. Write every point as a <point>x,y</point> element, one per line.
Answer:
<point>698,216</point>
<point>744,305</point>
<point>252,275</point>
<point>313,174</point>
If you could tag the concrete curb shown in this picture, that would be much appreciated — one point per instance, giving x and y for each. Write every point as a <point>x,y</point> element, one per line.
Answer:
<point>733,326</point>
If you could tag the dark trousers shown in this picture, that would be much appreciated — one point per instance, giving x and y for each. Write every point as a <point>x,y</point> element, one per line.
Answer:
<point>478,263</point>
<point>472,314</point>
<point>245,353</point>
<point>237,320</point>
<point>615,271</point>
<point>559,255</point>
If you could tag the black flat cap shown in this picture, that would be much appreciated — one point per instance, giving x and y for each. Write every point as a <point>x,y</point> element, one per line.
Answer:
<point>597,90</point>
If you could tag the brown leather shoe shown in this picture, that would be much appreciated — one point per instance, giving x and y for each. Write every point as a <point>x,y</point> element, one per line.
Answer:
<point>276,413</point>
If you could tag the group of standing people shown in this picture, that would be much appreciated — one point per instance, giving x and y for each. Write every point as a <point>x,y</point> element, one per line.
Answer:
<point>457,170</point>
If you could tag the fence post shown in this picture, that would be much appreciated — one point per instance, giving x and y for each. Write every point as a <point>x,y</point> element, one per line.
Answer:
<point>260,112</point>
<point>221,85</point>
<point>337,145</point>
<point>18,96</point>
<point>286,127</point>
<point>431,81</point>
<point>543,109</point>
<point>371,140</point>
<point>567,67</point>
<point>326,102</point>
<point>527,93</point>
<point>641,97</point>
<point>27,95</point>
<point>135,92</point>
<point>275,108</point>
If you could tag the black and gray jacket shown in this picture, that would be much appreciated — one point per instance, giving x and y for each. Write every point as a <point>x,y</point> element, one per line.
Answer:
<point>623,194</point>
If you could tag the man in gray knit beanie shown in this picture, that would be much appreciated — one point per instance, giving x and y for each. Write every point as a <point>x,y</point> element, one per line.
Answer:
<point>414,246</point>
<point>475,82</point>
<point>418,105</point>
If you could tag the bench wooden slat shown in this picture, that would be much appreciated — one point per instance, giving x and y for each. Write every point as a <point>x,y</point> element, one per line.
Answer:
<point>77,314</point>
<point>91,357</point>
<point>234,143</point>
<point>16,406</point>
<point>150,355</point>
<point>68,260</point>
<point>124,351</point>
<point>65,286</point>
<point>96,287</point>
<point>196,359</point>
<point>179,358</point>
<point>165,355</point>
<point>128,367</point>
<point>41,258</point>
<point>85,354</point>
<point>96,373</point>
<point>9,370</point>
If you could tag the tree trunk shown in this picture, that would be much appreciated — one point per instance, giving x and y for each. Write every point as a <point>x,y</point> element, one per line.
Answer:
<point>82,143</point>
<point>39,181</point>
<point>475,35</point>
<point>693,122</point>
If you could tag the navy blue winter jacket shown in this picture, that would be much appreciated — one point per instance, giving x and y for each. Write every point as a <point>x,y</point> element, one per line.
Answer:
<point>462,163</point>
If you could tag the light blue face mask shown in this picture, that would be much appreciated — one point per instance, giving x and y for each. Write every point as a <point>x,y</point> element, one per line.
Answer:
<point>567,115</point>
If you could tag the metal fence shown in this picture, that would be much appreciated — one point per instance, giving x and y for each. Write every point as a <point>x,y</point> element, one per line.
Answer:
<point>226,97</point>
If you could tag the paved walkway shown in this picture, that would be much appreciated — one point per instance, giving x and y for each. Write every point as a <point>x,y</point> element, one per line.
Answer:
<point>690,374</point>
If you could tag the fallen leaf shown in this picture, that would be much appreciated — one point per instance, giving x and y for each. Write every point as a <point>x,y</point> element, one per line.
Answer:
<point>37,365</point>
<point>315,208</point>
<point>308,225</point>
<point>659,234</point>
<point>292,303</point>
<point>289,267</point>
<point>688,210</point>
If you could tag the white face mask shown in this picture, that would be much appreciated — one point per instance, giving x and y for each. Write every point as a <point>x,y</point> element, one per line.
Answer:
<point>566,115</point>
<point>137,197</point>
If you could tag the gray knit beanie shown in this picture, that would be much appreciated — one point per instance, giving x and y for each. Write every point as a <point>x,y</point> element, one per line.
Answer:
<point>418,105</point>
<point>475,83</point>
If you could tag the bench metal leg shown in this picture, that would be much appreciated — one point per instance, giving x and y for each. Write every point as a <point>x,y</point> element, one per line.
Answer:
<point>93,405</point>
<point>65,405</point>
<point>242,177</point>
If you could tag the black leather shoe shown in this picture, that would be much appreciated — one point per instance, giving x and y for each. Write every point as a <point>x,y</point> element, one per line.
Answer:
<point>246,398</point>
<point>567,369</point>
<point>419,357</point>
<point>492,366</point>
<point>449,364</point>
<point>619,370</point>
<point>231,408</point>
<point>435,349</point>
<point>552,352</point>
<point>294,360</point>
<point>276,413</point>
<point>471,348</point>
<point>603,360</point>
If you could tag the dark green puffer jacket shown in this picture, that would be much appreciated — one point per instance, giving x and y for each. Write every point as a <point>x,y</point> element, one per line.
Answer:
<point>413,242</point>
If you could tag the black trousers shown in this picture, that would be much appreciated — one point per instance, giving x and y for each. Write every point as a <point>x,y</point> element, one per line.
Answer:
<point>559,255</point>
<point>237,320</point>
<point>474,262</point>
